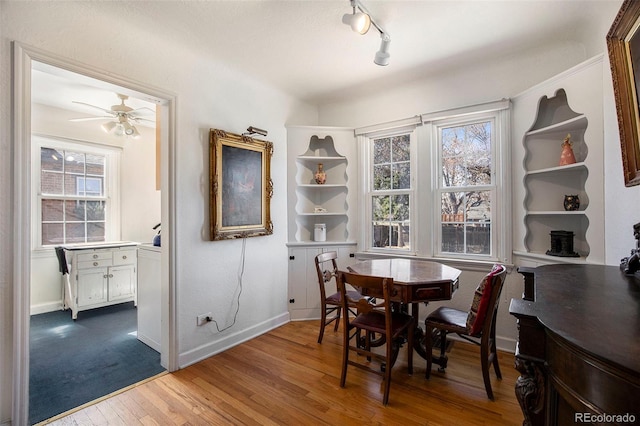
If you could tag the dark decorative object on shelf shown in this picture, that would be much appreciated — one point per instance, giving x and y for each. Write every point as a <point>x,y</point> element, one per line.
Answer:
<point>571,202</point>
<point>631,265</point>
<point>562,244</point>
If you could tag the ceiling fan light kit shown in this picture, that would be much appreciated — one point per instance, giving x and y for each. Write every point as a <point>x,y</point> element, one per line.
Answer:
<point>121,116</point>
<point>360,21</point>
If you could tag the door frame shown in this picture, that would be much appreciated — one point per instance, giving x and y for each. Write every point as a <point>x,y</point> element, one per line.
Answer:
<point>23,57</point>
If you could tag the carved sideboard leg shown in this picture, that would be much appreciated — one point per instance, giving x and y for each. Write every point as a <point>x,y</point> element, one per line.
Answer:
<point>530,391</point>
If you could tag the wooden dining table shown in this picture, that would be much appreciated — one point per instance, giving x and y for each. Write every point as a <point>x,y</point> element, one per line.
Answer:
<point>415,281</point>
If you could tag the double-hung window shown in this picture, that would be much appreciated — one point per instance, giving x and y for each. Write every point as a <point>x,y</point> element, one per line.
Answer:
<point>73,192</point>
<point>465,187</point>
<point>389,195</point>
<point>440,187</point>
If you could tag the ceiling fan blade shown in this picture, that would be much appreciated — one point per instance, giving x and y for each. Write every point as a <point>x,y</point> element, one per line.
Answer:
<point>141,111</point>
<point>139,119</point>
<point>92,118</point>
<point>108,111</point>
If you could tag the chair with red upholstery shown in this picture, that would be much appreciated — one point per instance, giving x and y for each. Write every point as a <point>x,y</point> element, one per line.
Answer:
<point>478,325</point>
<point>374,319</point>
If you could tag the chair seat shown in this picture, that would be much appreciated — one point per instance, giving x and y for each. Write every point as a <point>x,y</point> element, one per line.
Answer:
<point>334,299</point>
<point>375,322</point>
<point>454,319</point>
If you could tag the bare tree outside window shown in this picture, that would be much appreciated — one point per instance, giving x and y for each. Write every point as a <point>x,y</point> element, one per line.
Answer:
<point>466,188</point>
<point>391,185</point>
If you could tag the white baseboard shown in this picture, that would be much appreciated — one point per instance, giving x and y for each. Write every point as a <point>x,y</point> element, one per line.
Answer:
<point>149,342</point>
<point>43,308</point>
<point>205,351</point>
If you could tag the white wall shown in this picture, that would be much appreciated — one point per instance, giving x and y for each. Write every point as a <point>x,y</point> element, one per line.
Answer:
<point>208,94</point>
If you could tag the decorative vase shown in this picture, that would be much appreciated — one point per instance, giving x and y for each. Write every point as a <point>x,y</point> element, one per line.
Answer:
<point>567,156</point>
<point>571,202</point>
<point>320,176</point>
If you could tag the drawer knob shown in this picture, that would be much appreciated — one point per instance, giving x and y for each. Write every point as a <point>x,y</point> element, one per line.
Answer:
<point>124,257</point>
<point>95,256</point>
<point>95,263</point>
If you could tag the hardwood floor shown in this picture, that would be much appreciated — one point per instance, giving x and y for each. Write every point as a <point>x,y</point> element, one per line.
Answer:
<point>286,378</point>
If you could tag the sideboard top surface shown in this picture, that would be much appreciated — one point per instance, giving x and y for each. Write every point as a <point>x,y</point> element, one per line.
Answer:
<point>594,307</point>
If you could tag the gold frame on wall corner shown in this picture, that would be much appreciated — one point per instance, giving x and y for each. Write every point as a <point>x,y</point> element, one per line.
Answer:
<point>623,45</point>
<point>240,186</point>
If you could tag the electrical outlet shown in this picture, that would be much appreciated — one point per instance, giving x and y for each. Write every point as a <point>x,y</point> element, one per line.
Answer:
<point>202,319</point>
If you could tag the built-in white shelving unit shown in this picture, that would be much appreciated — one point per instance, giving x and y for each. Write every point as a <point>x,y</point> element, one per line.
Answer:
<point>570,103</point>
<point>310,203</point>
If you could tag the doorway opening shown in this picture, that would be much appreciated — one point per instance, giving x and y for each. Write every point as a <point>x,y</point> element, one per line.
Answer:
<point>36,113</point>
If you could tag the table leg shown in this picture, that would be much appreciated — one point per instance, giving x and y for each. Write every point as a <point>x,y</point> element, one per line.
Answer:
<point>419,340</point>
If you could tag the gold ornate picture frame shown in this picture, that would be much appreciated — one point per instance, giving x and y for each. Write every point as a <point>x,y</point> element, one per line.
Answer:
<point>240,186</point>
<point>623,45</point>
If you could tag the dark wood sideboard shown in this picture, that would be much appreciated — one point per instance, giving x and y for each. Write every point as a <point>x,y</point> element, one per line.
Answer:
<point>578,347</point>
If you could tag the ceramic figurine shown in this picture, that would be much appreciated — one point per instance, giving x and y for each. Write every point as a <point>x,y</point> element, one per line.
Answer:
<point>567,156</point>
<point>320,176</point>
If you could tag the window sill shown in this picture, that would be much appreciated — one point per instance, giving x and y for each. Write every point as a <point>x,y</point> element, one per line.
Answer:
<point>463,264</point>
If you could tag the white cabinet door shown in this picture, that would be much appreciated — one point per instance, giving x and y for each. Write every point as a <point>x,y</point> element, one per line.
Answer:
<point>303,281</point>
<point>93,288</point>
<point>304,289</point>
<point>122,282</point>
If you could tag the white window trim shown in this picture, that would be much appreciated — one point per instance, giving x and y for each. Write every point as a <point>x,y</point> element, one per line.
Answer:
<point>365,143</point>
<point>493,186</point>
<point>112,184</point>
<point>424,179</point>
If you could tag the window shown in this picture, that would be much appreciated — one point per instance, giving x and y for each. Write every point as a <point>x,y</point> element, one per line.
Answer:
<point>390,195</point>
<point>437,185</point>
<point>73,202</point>
<point>466,187</point>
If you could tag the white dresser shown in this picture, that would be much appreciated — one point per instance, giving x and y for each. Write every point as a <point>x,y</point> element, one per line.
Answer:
<point>100,275</point>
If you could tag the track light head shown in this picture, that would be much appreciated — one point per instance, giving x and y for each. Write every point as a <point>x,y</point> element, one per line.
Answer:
<point>382,55</point>
<point>359,22</point>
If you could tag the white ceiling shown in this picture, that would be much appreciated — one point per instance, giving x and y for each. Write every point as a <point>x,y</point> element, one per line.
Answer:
<point>303,48</point>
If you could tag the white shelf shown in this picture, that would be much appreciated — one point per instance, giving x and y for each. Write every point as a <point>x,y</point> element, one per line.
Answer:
<point>321,186</point>
<point>320,158</point>
<point>549,259</point>
<point>558,169</point>
<point>324,214</point>
<point>547,183</point>
<point>308,147</point>
<point>556,213</point>
<point>564,126</point>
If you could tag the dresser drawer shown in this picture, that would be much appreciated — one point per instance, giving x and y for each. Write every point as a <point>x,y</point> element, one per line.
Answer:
<point>124,257</point>
<point>431,292</point>
<point>94,255</point>
<point>101,263</point>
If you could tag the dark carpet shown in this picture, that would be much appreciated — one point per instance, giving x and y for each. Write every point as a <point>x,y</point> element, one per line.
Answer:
<point>75,362</point>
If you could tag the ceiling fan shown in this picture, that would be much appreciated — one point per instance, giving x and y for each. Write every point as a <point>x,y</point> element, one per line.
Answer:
<point>121,117</point>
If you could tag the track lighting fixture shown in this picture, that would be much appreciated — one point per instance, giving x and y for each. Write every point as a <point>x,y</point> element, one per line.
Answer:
<point>360,21</point>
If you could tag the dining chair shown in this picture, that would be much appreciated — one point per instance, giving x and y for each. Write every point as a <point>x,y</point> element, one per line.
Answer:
<point>331,308</point>
<point>478,325</point>
<point>374,318</point>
